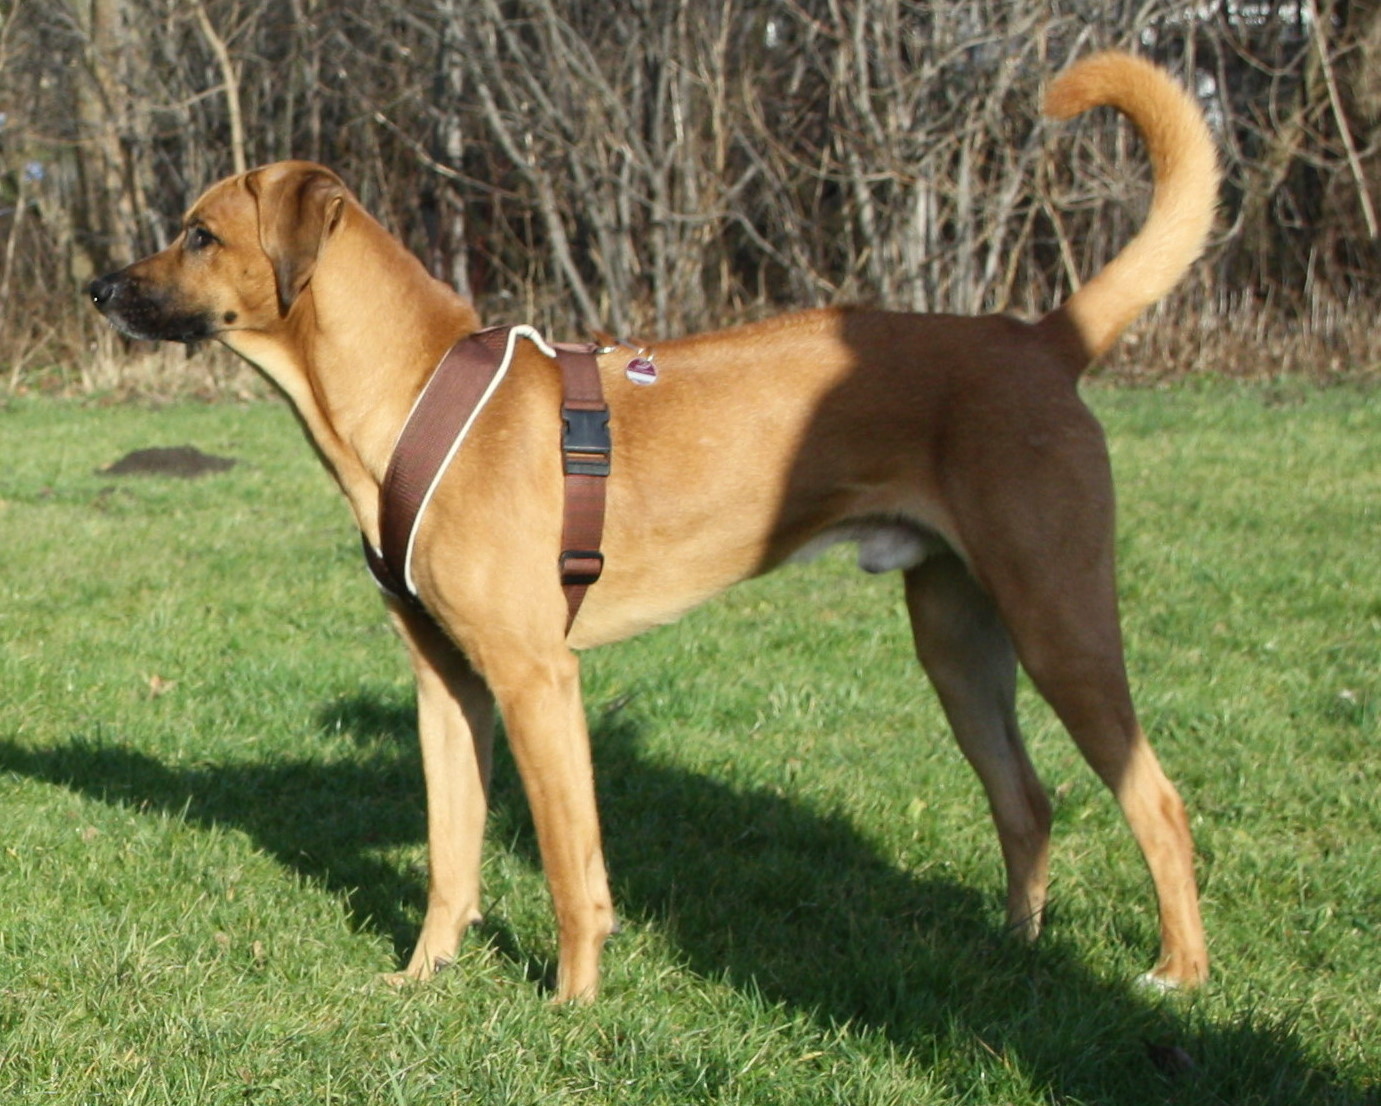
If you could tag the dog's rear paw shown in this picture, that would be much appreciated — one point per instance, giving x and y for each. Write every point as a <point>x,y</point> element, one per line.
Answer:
<point>1151,982</point>
<point>420,971</point>
<point>1166,983</point>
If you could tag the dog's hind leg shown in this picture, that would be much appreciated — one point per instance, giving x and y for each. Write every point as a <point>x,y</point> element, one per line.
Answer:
<point>1063,621</point>
<point>965,650</point>
<point>455,724</point>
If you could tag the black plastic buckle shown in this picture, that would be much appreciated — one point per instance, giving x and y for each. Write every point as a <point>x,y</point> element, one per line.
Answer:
<point>585,444</point>
<point>581,566</point>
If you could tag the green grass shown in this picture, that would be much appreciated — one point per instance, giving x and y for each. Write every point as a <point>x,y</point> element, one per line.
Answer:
<point>211,806</point>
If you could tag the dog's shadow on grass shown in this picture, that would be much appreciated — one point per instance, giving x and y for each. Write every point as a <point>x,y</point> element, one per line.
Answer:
<point>752,887</point>
<point>328,821</point>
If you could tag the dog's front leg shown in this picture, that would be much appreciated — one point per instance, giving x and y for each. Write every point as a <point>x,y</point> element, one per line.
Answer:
<point>455,724</point>
<point>539,695</point>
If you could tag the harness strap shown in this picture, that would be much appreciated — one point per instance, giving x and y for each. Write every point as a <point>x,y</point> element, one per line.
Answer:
<point>585,454</point>
<point>439,419</point>
<point>438,424</point>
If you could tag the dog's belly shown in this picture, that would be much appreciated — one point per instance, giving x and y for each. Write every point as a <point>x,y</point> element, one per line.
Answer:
<point>619,608</point>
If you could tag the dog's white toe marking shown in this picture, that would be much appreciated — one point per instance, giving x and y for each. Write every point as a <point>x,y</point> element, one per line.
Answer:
<point>1152,982</point>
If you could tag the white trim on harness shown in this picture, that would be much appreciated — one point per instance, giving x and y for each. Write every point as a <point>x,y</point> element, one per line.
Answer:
<point>514,333</point>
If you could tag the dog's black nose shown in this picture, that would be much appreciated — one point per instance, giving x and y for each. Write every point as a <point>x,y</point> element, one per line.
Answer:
<point>100,290</point>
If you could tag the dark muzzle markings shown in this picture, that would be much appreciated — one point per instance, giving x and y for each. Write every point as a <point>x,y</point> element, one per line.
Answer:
<point>147,313</point>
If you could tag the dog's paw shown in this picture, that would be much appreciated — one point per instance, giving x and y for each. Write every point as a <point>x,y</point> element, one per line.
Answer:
<point>1162,984</point>
<point>420,972</point>
<point>1149,981</point>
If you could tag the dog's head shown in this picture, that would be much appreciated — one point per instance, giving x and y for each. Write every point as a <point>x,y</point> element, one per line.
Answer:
<point>246,251</point>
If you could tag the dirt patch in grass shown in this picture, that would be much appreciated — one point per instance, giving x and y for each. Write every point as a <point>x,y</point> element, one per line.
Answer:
<point>180,460</point>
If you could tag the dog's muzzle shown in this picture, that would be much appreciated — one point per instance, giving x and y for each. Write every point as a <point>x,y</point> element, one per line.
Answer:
<point>138,312</point>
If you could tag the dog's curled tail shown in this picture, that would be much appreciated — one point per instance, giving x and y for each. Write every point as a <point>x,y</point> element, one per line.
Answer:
<point>1185,169</point>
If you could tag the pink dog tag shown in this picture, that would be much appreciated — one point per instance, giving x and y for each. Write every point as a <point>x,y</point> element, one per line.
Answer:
<point>641,371</point>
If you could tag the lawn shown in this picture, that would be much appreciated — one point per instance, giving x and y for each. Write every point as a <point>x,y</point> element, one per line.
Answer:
<point>211,823</point>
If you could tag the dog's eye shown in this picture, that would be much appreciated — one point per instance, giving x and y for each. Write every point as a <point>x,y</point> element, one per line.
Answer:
<point>198,238</point>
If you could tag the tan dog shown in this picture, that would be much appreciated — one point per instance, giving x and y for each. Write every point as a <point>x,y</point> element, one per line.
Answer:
<point>955,449</point>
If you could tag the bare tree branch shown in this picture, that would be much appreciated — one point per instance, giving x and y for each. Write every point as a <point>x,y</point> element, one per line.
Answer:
<point>231,78</point>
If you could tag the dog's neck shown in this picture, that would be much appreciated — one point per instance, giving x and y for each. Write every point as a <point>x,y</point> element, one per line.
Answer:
<point>352,410</point>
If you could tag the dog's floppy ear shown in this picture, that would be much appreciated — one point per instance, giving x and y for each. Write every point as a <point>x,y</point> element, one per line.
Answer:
<point>299,206</point>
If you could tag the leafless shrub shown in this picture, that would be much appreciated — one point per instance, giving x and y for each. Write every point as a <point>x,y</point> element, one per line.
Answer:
<point>657,167</point>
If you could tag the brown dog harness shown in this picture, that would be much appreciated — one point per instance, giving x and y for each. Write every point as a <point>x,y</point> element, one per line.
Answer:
<point>439,422</point>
